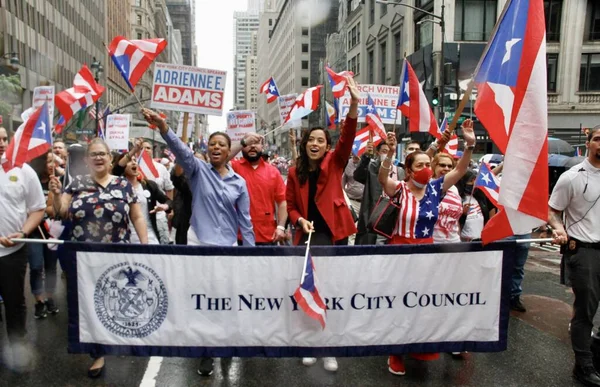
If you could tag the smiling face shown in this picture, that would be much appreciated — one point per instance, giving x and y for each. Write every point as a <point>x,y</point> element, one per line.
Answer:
<point>98,159</point>
<point>317,145</point>
<point>218,150</point>
<point>443,165</point>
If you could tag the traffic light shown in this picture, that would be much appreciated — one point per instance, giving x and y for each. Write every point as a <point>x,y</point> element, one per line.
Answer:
<point>435,96</point>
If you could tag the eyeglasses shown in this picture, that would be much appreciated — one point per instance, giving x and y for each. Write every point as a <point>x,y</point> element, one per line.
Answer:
<point>449,166</point>
<point>95,155</point>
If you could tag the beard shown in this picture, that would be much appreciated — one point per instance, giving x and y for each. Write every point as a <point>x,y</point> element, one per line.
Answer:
<point>252,159</point>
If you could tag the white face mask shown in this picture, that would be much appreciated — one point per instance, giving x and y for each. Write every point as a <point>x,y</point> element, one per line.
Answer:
<point>382,157</point>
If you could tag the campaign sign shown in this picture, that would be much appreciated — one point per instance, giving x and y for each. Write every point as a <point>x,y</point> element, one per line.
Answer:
<point>188,89</point>
<point>116,133</point>
<point>239,123</point>
<point>384,97</point>
<point>192,301</point>
<point>190,125</point>
<point>285,106</point>
<point>43,94</point>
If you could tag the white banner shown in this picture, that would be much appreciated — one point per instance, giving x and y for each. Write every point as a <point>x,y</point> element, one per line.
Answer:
<point>116,133</point>
<point>384,97</point>
<point>285,105</point>
<point>239,123</point>
<point>43,94</point>
<point>216,298</point>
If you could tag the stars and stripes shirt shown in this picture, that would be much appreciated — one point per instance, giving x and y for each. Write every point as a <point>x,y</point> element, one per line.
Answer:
<point>417,218</point>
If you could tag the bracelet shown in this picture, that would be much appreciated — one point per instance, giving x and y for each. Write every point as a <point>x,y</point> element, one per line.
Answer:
<point>470,147</point>
<point>280,228</point>
<point>434,145</point>
<point>386,168</point>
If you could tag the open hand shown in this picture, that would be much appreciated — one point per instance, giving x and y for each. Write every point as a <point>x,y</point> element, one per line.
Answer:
<point>352,88</point>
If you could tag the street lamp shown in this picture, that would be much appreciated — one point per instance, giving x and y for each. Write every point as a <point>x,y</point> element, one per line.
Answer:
<point>98,69</point>
<point>440,21</point>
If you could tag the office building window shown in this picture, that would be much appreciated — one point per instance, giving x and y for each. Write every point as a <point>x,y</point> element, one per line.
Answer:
<point>474,20</point>
<point>592,21</point>
<point>371,12</point>
<point>383,57</point>
<point>551,70</point>
<point>304,47</point>
<point>589,74</point>
<point>354,64</point>
<point>553,13</point>
<point>354,36</point>
<point>371,67</point>
<point>304,65</point>
<point>304,31</point>
<point>398,57</point>
<point>304,81</point>
<point>270,22</point>
<point>382,10</point>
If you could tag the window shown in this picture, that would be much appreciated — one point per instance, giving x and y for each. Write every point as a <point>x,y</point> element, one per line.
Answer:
<point>474,20</point>
<point>398,57</point>
<point>423,33</point>
<point>551,70</point>
<point>382,10</point>
<point>304,81</point>
<point>589,75</point>
<point>304,31</point>
<point>354,64</point>
<point>304,65</point>
<point>370,67</point>
<point>304,47</point>
<point>592,22</point>
<point>383,55</point>
<point>371,12</point>
<point>354,36</point>
<point>270,22</point>
<point>139,35</point>
<point>138,3</point>
<point>553,12</point>
<point>138,19</point>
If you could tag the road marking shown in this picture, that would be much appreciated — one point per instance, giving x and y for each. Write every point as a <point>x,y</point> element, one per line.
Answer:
<point>546,247</point>
<point>152,370</point>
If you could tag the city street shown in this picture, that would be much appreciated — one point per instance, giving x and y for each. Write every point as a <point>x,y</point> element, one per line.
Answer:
<point>539,354</point>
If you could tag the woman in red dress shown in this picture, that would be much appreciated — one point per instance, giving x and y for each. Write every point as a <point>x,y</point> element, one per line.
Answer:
<point>419,197</point>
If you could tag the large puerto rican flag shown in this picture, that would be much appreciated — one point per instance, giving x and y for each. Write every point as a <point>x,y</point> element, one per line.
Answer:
<point>307,295</point>
<point>512,106</point>
<point>85,92</point>
<point>305,104</point>
<point>414,105</point>
<point>133,57</point>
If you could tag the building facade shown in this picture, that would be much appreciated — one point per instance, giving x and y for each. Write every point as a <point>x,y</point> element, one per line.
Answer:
<point>117,24</point>
<point>182,14</point>
<point>244,25</point>
<point>266,116</point>
<point>251,71</point>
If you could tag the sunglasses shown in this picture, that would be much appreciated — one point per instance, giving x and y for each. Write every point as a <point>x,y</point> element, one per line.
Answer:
<point>95,155</point>
<point>445,166</point>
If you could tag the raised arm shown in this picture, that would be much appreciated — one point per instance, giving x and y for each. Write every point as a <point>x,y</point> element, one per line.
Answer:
<point>249,139</point>
<point>459,171</point>
<point>342,151</point>
<point>387,183</point>
<point>293,148</point>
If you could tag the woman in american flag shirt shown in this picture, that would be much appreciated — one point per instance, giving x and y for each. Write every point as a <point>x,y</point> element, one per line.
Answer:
<point>419,197</point>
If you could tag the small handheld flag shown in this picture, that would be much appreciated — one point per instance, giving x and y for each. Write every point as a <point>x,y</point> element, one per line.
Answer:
<point>133,57</point>
<point>147,168</point>
<point>489,183</point>
<point>332,114</point>
<point>338,81</point>
<point>373,119</point>
<point>362,138</point>
<point>305,103</point>
<point>270,89</point>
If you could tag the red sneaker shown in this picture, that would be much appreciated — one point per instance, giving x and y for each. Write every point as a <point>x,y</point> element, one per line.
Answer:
<point>396,365</point>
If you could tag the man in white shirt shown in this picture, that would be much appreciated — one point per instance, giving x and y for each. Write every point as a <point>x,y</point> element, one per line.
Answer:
<point>576,196</point>
<point>166,185</point>
<point>22,206</point>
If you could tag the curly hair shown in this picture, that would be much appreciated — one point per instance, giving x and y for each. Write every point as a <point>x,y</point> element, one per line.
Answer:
<point>302,164</point>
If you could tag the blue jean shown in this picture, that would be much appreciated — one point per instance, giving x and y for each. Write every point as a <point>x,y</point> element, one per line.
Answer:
<point>519,269</point>
<point>42,261</point>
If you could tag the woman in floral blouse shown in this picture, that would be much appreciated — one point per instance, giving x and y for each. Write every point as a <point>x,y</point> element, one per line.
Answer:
<point>100,207</point>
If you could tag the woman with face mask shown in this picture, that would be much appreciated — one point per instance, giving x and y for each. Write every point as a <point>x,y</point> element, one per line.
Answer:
<point>315,200</point>
<point>419,197</point>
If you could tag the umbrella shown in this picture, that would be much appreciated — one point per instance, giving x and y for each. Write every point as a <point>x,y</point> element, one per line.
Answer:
<point>555,160</point>
<point>561,147</point>
<point>573,161</point>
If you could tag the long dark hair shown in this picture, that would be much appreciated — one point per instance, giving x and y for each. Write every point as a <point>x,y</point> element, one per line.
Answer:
<point>142,180</point>
<point>302,164</point>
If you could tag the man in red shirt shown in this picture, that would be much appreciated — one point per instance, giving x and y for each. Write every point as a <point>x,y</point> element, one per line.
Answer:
<point>267,194</point>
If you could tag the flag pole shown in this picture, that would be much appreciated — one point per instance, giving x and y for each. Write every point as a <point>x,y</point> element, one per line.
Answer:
<point>306,253</point>
<point>399,91</point>
<point>41,241</point>
<point>273,130</point>
<point>184,136</point>
<point>130,90</point>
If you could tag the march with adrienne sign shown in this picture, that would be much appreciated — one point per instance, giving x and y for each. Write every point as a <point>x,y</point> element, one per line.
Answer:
<point>185,301</point>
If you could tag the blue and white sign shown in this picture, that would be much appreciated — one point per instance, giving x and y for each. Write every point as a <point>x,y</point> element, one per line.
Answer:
<point>237,301</point>
<point>384,97</point>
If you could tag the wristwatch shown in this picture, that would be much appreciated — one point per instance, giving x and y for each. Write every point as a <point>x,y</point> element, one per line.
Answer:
<point>470,147</point>
<point>24,233</point>
<point>243,143</point>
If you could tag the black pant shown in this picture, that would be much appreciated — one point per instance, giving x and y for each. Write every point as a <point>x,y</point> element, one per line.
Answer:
<point>12,290</point>
<point>584,274</point>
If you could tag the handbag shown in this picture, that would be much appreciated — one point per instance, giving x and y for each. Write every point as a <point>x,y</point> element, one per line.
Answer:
<point>384,217</point>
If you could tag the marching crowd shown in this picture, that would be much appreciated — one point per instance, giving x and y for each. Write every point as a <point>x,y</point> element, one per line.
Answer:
<point>216,199</point>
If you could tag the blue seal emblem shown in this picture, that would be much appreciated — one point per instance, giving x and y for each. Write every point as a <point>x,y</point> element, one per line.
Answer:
<point>130,300</point>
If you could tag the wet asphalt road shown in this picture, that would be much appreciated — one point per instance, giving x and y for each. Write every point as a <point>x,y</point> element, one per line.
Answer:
<point>539,354</point>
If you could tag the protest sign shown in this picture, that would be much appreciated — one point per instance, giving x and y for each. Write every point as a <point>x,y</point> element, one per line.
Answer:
<point>188,89</point>
<point>42,94</point>
<point>239,123</point>
<point>186,301</point>
<point>385,99</point>
<point>116,133</point>
<point>285,105</point>
<point>180,123</point>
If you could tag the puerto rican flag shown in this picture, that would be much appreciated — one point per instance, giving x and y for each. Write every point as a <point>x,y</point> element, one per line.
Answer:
<point>60,125</point>
<point>270,89</point>
<point>488,183</point>
<point>338,81</point>
<point>307,295</point>
<point>452,145</point>
<point>332,114</point>
<point>373,119</point>
<point>511,104</point>
<point>133,57</point>
<point>362,138</point>
<point>85,92</point>
<point>169,155</point>
<point>32,139</point>
<point>305,104</point>
<point>414,105</point>
<point>146,166</point>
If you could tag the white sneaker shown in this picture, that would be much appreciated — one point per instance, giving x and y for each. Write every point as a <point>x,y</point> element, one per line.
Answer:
<point>308,361</point>
<point>330,364</point>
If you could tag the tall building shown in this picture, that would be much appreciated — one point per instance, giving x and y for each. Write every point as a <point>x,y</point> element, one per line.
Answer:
<point>266,116</point>
<point>182,14</point>
<point>244,24</point>
<point>117,24</point>
<point>251,71</point>
<point>51,40</point>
